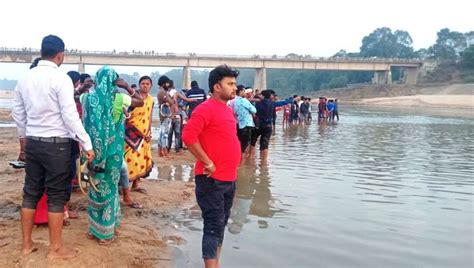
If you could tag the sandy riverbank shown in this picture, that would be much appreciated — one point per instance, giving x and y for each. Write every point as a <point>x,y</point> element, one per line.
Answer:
<point>145,238</point>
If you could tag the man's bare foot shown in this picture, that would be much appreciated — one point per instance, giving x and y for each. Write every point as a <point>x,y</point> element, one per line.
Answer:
<point>30,248</point>
<point>63,253</point>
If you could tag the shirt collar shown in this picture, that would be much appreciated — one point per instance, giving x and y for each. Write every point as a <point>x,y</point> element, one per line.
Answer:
<point>47,63</point>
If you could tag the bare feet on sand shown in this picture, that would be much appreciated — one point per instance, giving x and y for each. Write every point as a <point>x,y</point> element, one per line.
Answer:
<point>63,253</point>
<point>30,248</point>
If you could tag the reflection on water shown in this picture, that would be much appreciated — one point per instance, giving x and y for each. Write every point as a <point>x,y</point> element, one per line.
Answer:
<point>172,173</point>
<point>377,189</point>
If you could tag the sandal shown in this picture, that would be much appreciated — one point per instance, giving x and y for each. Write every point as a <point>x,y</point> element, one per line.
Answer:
<point>135,205</point>
<point>106,242</point>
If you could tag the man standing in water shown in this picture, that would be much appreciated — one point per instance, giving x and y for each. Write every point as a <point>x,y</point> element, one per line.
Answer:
<point>211,137</point>
<point>167,112</point>
<point>48,125</point>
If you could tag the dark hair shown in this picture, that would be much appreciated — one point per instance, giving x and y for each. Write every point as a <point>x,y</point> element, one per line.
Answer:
<point>84,76</point>
<point>163,80</point>
<point>35,63</point>
<point>218,73</point>
<point>194,84</point>
<point>133,85</point>
<point>145,77</point>
<point>294,96</point>
<point>171,83</point>
<point>75,76</point>
<point>266,94</point>
<point>239,89</point>
<point>51,46</point>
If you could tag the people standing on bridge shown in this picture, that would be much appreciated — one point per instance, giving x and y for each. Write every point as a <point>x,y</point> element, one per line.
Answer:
<point>211,137</point>
<point>167,112</point>
<point>196,93</point>
<point>48,125</point>
<point>138,135</point>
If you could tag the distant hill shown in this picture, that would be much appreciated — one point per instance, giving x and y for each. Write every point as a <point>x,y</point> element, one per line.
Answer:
<point>380,91</point>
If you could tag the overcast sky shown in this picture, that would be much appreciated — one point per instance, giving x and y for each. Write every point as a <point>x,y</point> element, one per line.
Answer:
<point>243,27</point>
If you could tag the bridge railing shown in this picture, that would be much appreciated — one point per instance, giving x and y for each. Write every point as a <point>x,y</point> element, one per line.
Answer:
<point>152,53</point>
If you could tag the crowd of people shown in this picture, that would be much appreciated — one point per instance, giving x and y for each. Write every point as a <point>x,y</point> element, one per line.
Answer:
<point>73,128</point>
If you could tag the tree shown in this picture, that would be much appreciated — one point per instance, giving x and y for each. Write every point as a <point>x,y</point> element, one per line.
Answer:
<point>468,58</point>
<point>448,45</point>
<point>385,44</point>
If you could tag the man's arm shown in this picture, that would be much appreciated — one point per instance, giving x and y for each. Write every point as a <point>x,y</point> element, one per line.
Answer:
<point>190,136</point>
<point>198,152</point>
<point>249,106</point>
<point>283,102</point>
<point>65,91</point>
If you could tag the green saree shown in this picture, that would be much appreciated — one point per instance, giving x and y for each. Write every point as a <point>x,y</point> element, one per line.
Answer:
<point>107,137</point>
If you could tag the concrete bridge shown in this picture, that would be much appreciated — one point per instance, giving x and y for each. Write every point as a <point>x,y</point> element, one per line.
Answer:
<point>381,67</point>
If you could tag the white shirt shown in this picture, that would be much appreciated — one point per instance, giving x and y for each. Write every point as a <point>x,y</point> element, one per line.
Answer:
<point>43,105</point>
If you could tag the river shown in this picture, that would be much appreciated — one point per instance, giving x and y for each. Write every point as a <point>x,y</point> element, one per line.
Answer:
<point>381,188</point>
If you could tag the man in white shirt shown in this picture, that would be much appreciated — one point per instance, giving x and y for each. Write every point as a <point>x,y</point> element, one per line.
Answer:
<point>46,115</point>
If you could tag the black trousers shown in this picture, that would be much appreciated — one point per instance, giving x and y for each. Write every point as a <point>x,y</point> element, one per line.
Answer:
<point>48,166</point>
<point>215,200</point>
<point>244,135</point>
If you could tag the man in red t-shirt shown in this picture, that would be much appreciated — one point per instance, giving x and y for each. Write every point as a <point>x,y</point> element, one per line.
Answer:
<point>211,137</point>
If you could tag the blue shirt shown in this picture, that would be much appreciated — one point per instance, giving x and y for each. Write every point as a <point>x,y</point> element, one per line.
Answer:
<point>330,106</point>
<point>244,110</point>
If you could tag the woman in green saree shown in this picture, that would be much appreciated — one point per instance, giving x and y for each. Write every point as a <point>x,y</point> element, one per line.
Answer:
<point>105,125</point>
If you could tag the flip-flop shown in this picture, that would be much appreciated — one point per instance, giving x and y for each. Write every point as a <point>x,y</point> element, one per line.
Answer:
<point>135,205</point>
<point>17,164</point>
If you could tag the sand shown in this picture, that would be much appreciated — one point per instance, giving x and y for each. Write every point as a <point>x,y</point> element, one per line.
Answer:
<point>146,237</point>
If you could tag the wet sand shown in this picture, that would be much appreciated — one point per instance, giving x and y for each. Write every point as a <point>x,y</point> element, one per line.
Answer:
<point>146,237</point>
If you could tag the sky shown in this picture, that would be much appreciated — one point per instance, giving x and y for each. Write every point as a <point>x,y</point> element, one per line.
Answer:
<point>243,27</point>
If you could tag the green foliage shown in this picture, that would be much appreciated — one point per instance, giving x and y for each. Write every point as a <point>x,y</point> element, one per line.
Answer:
<point>448,45</point>
<point>385,44</point>
<point>468,58</point>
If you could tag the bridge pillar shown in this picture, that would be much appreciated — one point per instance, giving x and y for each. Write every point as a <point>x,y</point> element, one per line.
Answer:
<point>81,68</point>
<point>411,75</point>
<point>260,81</point>
<point>186,77</point>
<point>382,77</point>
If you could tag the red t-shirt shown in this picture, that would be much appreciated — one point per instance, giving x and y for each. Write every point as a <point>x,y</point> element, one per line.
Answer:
<point>213,125</point>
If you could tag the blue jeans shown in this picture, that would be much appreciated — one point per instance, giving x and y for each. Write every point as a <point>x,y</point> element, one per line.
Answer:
<point>176,129</point>
<point>215,200</point>
<point>164,132</point>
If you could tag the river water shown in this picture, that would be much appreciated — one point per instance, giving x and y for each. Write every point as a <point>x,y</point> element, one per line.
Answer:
<point>381,188</point>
